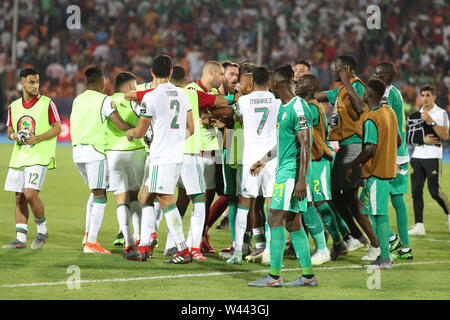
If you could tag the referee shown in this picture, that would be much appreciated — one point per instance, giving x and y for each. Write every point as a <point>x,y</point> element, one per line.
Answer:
<point>426,160</point>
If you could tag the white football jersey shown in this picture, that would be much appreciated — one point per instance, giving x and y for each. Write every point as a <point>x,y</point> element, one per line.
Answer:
<point>259,111</point>
<point>167,106</point>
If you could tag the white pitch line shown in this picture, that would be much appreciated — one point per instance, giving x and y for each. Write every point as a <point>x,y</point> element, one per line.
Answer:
<point>433,240</point>
<point>200,275</point>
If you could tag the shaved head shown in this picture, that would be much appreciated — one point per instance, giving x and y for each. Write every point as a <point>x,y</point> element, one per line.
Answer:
<point>386,72</point>
<point>211,66</point>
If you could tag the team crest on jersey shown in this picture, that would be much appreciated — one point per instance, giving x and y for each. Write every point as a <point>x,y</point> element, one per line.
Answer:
<point>26,123</point>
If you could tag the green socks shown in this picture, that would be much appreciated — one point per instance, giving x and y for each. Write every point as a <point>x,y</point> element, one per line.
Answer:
<point>315,227</point>
<point>277,244</point>
<point>329,219</point>
<point>232,211</point>
<point>398,201</point>
<point>380,225</point>
<point>302,250</point>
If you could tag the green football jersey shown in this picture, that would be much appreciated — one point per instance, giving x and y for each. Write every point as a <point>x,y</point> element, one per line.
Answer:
<point>393,98</point>
<point>292,118</point>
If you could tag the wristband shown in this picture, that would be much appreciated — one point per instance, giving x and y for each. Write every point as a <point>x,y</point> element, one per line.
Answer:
<point>11,136</point>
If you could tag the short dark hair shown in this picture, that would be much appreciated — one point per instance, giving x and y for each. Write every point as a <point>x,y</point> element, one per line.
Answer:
<point>246,67</point>
<point>261,76</point>
<point>378,86</point>
<point>123,78</point>
<point>93,74</point>
<point>228,63</point>
<point>428,87</point>
<point>285,71</point>
<point>27,72</point>
<point>303,62</point>
<point>314,80</point>
<point>348,60</point>
<point>388,67</point>
<point>161,66</point>
<point>178,74</point>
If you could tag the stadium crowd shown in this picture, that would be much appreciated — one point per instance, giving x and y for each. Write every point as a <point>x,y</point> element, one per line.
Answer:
<point>125,34</point>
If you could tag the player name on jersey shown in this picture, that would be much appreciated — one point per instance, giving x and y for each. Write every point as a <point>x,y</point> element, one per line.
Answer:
<point>261,101</point>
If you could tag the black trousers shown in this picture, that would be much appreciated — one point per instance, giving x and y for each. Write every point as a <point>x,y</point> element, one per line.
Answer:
<point>431,171</point>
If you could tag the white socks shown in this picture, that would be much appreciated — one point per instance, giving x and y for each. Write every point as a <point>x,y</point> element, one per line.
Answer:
<point>196,226</point>
<point>123,216</point>
<point>89,204</point>
<point>174,223</point>
<point>135,213</point>
<point>147,224</point>
<point>21,232</point>
<point>241,226</point>
<point>96,219</point>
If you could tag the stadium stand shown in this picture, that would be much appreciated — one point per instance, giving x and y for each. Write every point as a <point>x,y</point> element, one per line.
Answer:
<point>125,34</point>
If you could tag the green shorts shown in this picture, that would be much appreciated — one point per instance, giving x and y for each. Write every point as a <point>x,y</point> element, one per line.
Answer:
<point>375,196</point>
<point>283,189</point>
<point>229,177</point>
<point>321,180</point>
<point>399,185</point>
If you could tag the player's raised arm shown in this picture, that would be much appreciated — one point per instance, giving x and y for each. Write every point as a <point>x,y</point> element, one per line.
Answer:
<point>321,96</point>
<point>346,73</point>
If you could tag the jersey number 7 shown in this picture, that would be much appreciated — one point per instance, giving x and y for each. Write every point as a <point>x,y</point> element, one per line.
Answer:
<point>262,123</point>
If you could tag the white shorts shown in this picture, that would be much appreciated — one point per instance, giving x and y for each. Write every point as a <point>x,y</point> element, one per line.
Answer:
<point>163,178</point>
<point>146,168</point>
<point>95,174</point>
<point>208,166</point>
<point>191,177</point>
<point>32,177</point>
<point>251,187</point>
<point>126,170</point>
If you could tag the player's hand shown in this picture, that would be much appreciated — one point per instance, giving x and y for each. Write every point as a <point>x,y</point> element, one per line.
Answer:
<point>348,173</point>
<point>130,135</point>
<point>32,139</point>
<point>425,116</point>
<point>345,74</point>
<point>256,168</point>
<point>300,190</point>
<point>431,139</point>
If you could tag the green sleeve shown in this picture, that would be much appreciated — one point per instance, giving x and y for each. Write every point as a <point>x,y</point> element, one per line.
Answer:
<point>315,115</point>
<point>359,88</point>
<point>299,120</point>
<point>332,95</point>
<point>395,101</point>
<point>370,132</point>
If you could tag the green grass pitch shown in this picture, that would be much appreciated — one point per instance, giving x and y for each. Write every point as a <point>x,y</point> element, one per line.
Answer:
<point>43,274</point>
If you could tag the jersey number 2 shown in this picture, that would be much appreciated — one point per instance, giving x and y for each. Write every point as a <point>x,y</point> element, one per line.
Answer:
<point>174,104</point>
